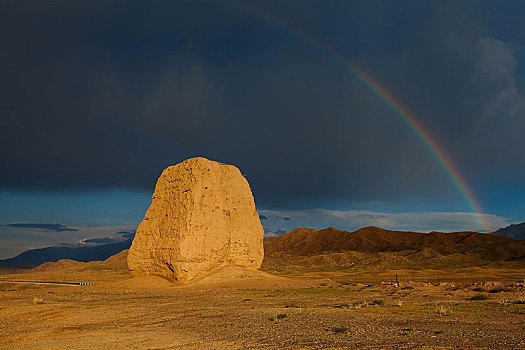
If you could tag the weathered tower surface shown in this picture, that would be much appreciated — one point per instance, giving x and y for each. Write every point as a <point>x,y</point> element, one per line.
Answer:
<point>202,216</point>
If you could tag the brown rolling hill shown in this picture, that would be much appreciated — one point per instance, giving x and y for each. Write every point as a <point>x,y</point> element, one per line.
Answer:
<point>117,262</point>
<point>112,269</point>
<point>375,247</point>
<point>5,269</point>
<point>304,241</point>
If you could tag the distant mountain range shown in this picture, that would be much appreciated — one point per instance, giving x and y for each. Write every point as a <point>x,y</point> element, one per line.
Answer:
<point>35,257</point>
<point>304,241</point>
<point>304,249</point>
<point>516,231</point>
<point>501,245</point>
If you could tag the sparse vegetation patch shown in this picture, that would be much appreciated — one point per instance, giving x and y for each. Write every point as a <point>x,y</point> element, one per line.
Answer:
<point>341,305</point>
<point>340,329</point>
<point>443,309</point>
<point>293,306</point>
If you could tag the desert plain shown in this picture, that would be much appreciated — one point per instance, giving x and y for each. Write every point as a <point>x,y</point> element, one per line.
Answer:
<point>282,306</point>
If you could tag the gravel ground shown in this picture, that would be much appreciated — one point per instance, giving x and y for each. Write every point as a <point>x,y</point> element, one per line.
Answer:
<point>316,315</point>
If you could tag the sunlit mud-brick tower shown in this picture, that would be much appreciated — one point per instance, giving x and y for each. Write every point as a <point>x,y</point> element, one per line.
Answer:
<point>202,216</point>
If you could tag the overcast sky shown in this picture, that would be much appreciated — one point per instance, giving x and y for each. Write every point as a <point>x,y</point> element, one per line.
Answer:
<point>98,97</point>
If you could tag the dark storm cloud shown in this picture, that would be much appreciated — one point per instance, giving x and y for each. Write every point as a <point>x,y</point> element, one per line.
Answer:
<point>100,95</point>
<point>51,227</point>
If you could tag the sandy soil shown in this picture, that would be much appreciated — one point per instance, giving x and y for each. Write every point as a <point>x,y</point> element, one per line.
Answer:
<point>257,310</point>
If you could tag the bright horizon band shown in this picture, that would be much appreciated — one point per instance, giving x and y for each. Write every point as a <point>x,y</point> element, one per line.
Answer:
<point>408,118</point>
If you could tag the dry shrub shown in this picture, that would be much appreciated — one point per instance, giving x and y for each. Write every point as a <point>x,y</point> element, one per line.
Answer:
<point>340,329</point>
<point>359,304</point>
<point>443,309</point>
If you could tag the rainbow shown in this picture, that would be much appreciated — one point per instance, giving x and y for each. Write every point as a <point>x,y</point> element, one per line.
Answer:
<point>409,119</point>
<point>441,156</point>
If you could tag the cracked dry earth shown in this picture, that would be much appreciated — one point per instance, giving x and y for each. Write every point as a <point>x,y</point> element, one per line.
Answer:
<point>278,314</point>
